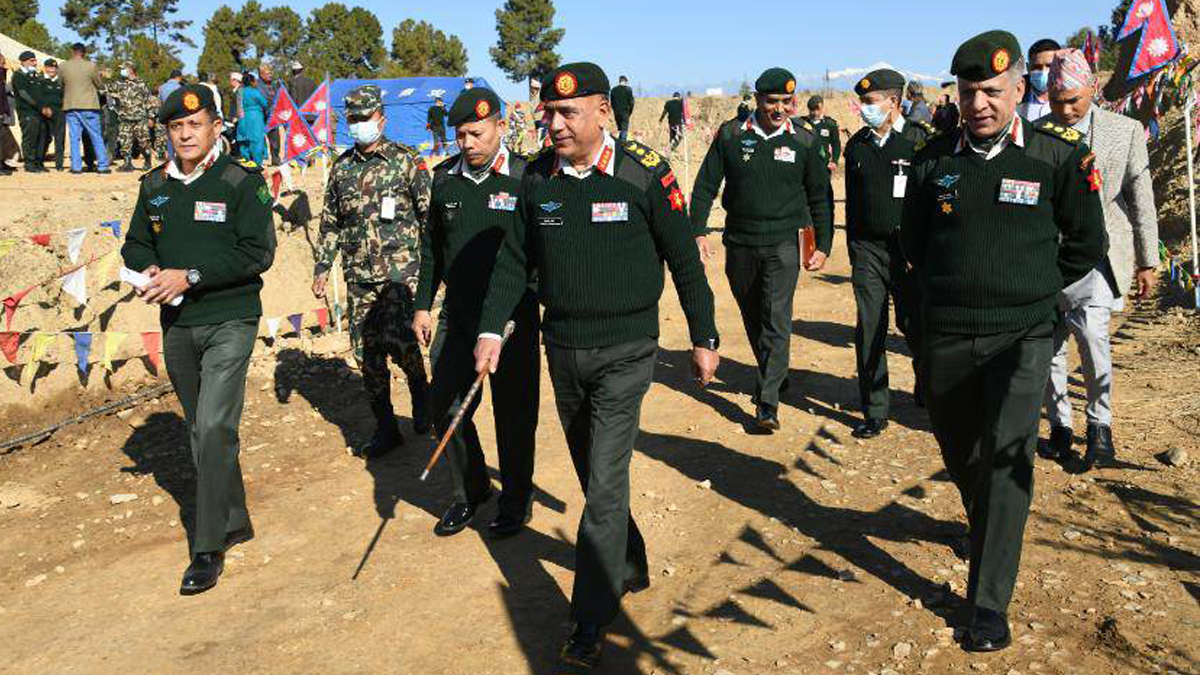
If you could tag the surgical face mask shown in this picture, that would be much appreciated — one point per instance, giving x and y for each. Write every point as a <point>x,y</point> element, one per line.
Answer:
<point>1039,79</point>
<point>874,115</point>
<point>126,74</point>
<point>366,133</point>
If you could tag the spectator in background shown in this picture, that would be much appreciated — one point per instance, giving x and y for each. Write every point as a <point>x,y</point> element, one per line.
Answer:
<point>435,122</point>
<point>301,87</point>
<point>252,127</point>
<point>162,145</point>
<point>52,89</point>
<point>918,109</point>
<point>673,113</point>
<point>209,80</point>
<point>945,116</point>
<point>32,111</point>
<point>1036,103</point>
<point>621,99</point>
<point>468,84</point>
<point>81,101</point>
<point>743,109</point>
<point>269,88</point>
<point>8,144</point>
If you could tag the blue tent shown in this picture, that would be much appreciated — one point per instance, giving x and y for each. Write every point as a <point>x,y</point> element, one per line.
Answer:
<point>406,101</point>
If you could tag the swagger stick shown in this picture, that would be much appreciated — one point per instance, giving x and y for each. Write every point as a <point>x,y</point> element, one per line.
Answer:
<point>462,408</point>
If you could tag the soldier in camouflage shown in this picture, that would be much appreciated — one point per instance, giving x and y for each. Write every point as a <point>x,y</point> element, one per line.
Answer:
<point>376,205</point>
<point>136,108</point>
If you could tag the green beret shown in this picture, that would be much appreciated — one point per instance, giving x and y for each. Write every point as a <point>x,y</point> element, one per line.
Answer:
<point>815,101</point>
<point>574,80</point>
<point>985,56</point>
<point>775,81</point>
<point>473,105</point>
<point>26,55</point>
<point>883,79</point>
<point>364,101</point>
<point>186,101</point>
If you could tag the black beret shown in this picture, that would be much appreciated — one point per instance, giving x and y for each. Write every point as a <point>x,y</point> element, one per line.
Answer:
<point>186,101</point>
<point>775,81</point>
<point>883,79</point>
<point>473,105</point>
<point>574,80</point>
<point>26,55</point>
<point>815,101</point>
<point>51,63</point>
<point>985,56</point>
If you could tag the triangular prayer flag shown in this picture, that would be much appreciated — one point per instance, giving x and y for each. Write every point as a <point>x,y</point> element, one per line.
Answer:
<point>106,264</point>
<point>41,342</point>
<point>40,239</point>
<point>322,317</point>
<point>75,285</point>
<point>276,183</point>
<point>10,342</point>
<point>7,245</point>
<point>75,243</point>
<point>11,303</point>
<point>114,225</point>
<point>272,327</point>
<point>112,342</point>
<point>296,320</point>
<point>152,341</point>
<point>283,110</point>
<point>83,347</point>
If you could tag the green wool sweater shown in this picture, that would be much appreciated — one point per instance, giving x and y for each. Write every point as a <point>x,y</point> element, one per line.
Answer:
<point>597,245</point>
<point>772,187</point>
<point>872,210</point>
<point>467,224</point>
<point>220,224</point>
<point>988,265</point>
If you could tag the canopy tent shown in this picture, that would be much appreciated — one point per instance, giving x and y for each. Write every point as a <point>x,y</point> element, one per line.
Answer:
<point>406,102</point>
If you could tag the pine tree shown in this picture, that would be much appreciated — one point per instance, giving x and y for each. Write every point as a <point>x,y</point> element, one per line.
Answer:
<point>527,42</point>
<point>419,49</point>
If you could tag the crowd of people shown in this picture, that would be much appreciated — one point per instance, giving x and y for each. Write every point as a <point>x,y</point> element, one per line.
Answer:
<point>108,119</point>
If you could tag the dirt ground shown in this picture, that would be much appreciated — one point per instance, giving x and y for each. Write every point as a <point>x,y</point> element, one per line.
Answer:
<point>802,552</point>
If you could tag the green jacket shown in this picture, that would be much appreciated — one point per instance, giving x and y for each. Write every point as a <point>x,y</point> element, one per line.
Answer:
<point>28,90</point>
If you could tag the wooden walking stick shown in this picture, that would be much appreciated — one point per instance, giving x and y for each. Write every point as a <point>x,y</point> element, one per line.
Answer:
<point>462,408</point>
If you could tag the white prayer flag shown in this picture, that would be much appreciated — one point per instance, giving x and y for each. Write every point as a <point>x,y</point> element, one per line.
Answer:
<point>272,327</point>
<point>75,243</point>
<point>75,285</point>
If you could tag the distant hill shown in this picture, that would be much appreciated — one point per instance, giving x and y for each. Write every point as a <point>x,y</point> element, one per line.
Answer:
<point>841,80</point>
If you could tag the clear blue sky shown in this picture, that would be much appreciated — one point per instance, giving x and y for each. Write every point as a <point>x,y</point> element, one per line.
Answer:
<point>709,42</point>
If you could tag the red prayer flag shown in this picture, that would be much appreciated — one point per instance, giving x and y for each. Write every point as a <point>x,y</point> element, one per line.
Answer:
<point>152,341</point>
<point>276,184</point>
<point>40,239</point>
<point>10,305</point>
<point>323,317</point>
<point>9,343</point>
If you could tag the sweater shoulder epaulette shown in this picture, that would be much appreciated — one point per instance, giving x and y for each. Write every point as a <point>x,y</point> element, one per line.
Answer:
<point>517,164</point>
<point>446,164</point>
<point>729,129</point>
<point>345,155</point>
<point>247,165</point>
<point>941,145</point>
<point>237,171</point>
<point>859,136</point>
<point>155,177</point>
<point>645,155</point>
<point>1066,134</point>
<point>647,165</point>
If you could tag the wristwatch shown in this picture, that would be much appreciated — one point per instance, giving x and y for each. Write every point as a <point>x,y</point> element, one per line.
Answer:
<point>711,343</point>
<point>193,277</point>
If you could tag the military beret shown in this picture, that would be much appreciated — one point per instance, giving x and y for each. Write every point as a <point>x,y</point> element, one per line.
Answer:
<point>574,80</point>
<point>26,55</point>
<point>185,101</point>
<point>775,81</point>
<point>364,101</point>
<point>815,101</point>
<point>473,105</point>
<point>985,56</point>
<point>50,63</point>
<point>883,79</point>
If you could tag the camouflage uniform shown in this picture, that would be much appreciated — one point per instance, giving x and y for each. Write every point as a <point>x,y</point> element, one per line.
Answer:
<point>516,130</point>
<point>134,107</point>
<point>379,256</point>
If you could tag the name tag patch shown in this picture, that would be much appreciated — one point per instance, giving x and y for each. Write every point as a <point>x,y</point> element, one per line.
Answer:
<point>549,221</point>
<point>610,212</point>
<point>785,154</point>
<point>387,208</point>
<point>502,201</point>
<point>825,132</point>
<point>1019,192</point>
<point>210,212</point>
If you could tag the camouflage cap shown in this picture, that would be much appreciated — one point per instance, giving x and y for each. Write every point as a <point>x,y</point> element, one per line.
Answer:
<point>187,101</point>
<point>775,81</point>
<point>473,105</point>
<point>364,101</point>
<point>985,56</point>
<point>882,79</point>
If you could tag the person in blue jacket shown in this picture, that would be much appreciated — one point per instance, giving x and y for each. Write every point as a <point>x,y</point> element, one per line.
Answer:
<point>252,127</point>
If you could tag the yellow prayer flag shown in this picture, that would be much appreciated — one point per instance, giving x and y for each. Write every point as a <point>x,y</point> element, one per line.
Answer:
<point>41,342</point>
<point>7,245</point>
<point>106,265</point>
<point>112,341</point>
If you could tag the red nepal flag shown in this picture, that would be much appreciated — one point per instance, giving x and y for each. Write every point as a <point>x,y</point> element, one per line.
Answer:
<point>283,111</point>
<point>320,128</point>
<point>299,138</point>
<point>318,102</point>
<point>1157,45</point>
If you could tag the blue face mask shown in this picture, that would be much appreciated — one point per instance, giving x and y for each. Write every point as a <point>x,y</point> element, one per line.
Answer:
<point>874,115</point>
<point>1039,79</point>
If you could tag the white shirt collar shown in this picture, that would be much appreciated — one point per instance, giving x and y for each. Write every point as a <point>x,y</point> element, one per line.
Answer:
<point>604,161</point>
<point>173,170</point>
<point>499,165</point>
<point>897,127</point>
<point>752,125</point>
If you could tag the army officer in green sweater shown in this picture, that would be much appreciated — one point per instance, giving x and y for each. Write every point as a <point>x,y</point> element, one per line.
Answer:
<point>596,222</point>
<point>999,216</point>
<point>202,230</point>
<point>776,182</point>
<point>473,205</point>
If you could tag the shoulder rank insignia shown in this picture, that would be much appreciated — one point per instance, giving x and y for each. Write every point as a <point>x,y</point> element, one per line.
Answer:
<point>929,128</point>
<point>248,164</point>
<point>1065,133</point>
<point>648,158</point>
<point>806,125</point>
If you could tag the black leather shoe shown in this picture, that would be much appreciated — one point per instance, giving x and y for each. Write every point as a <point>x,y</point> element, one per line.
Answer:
<point>766,418</point>
<point>1058,447</point>
<point>505,526</point>
<point>456,519</point>
<point>383,441</point>
<point>1100,451</point>
<point>203,573</point>
<point>870,428</point>
<point>239,537</point>
<point>988,632</point>
<point>104,172</point>
<point>636,584</point>
<point>582,648</point>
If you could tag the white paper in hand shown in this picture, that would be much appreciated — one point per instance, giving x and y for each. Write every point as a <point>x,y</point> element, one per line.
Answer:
<point>139,281</point>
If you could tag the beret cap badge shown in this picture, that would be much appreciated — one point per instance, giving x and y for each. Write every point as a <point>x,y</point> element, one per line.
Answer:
<point>565,84</point>
<point>1000,60</point>
<point>483,109</point>
<point>790,86</point>
<point>191,102</point>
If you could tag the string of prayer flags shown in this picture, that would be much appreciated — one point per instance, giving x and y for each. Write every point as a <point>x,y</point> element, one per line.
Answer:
<point>112,342</point>
<point>83,347</point>
<point>41,342</point>
<point>10,305</point>
<point>152,341</point>
<point>10,342</point>
<point>114,225</point>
